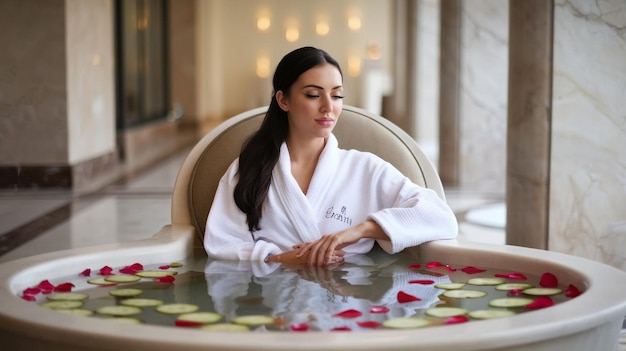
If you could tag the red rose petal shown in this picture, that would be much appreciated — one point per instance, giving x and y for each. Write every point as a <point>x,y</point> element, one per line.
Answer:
<point>136,266</point>
<point>404,297</point>
<point>471,270</point>
<point>106,270</point>
<point>166,280</point>
<point>183,323</point>
<point>450,269</point>
<point>299,327</point>
<point>379,309</point>
<point>31,291</point>
<point>129,270</point>
<point>540,302</point>
<point>518,276</point>
<point>548,280</point>
<point>415,266</point>
<point>348,314</point>
<point>45,285</point>
<point>572,291</point>
<point>167,266</point>
<point>85,273</point>
<point>368,324</point>
<point>343,328</point>
<point>422,281</point>
<point>65,287</point>
<point>515,292</point>
<point>29,297</point>
<point>433,264</point>
<point>456,320</point>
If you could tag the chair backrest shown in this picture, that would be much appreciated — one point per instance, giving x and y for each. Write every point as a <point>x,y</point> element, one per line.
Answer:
<point>356,129</point>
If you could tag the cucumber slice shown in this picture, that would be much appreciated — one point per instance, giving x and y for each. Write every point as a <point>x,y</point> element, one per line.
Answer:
<point>542,291</point>
<point>140,302</point>
<point>99,281</point>
<point>227,327</point>
<point>513,286</point>
<point>176,264</point>
<point>119,310</point>
<point>464,294</point>
<point>126,292</point>
<point>122,278</point>
<point>62,305</point>
<point>177,308</point>
<point>125,320</point>
<point>78,312</point>
<point>254,320</point>
<point>510,302</point>
<point>450,286</point>
<point>490,314</point>
<point>200,317</point>
<point>486,281</point>
<point>444,312</point>
<point>155,274</point>
<point>69,296</point>
<point>405,323</point>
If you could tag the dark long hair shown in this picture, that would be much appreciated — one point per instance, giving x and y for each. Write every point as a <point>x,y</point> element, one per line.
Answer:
<point>260,153</point>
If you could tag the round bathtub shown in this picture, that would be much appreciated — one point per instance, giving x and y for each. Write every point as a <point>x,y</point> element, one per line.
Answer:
<point>591,321</point>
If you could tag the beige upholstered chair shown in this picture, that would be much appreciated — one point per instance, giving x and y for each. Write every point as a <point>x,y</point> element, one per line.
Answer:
<point>356,129</point>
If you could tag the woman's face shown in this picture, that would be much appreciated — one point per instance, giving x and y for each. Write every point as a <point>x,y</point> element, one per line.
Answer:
<point>314,102</point>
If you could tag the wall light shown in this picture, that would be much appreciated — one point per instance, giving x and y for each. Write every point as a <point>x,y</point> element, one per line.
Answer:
<point>354,65</point>
<point>262,66</point>
<point>322,28</point>
<point>354,23</point>
<point>263,23</point>
<point>292,34</point>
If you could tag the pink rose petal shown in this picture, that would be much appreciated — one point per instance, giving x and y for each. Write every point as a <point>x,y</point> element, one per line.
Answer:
<point>45,285</point>
<point>471,270</point>
<point>299,327</point>
<point>415,266</point>
<point>106,270</point>
<point>31,291</point>
<point>549,280</point>
<point>572,291</point>
<point>348,314</point>
<point>518,276</point>
<point>85,273</point>
<point>166,280</point>
<point>128,270</point>
<point>434,264</point>
<point>183,323</point>
<point>65,287</point>
<point>379,309</point>
<point>167,266</point>
<point>368,324</point>
<point>404,297</point>
<point>515,292</point>
<point>540,302</point>
<point>456,320</point>
<point>136,266</point>
<point>422,281</point>
<point>343,328</point>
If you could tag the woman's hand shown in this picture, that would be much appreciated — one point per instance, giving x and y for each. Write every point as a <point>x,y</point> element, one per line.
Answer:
<point>321,252</point>
<point>293,257</point>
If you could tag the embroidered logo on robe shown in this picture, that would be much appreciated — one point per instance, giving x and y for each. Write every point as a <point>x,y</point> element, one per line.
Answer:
<point>339,216</point>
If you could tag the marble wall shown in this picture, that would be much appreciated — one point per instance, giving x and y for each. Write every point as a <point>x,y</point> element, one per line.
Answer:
<point>483,95</point>
<point>588,162</point>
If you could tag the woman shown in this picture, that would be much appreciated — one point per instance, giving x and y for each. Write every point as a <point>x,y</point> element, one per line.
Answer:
<point>294,197</point>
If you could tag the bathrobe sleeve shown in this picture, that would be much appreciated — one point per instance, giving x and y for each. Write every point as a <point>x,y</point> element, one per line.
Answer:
<point>410,215</point>
<point>226,235</point>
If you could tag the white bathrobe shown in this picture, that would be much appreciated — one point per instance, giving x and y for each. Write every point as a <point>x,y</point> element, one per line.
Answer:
<point>347,188</point>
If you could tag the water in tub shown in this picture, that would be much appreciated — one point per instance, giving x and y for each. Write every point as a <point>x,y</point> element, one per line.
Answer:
<point>374,291</point>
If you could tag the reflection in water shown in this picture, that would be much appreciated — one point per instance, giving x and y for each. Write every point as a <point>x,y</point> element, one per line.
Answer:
<point>315,294</point>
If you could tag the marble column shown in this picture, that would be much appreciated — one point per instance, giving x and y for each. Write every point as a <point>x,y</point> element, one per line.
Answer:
<point>529,121</point>
<point>449,90</point>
